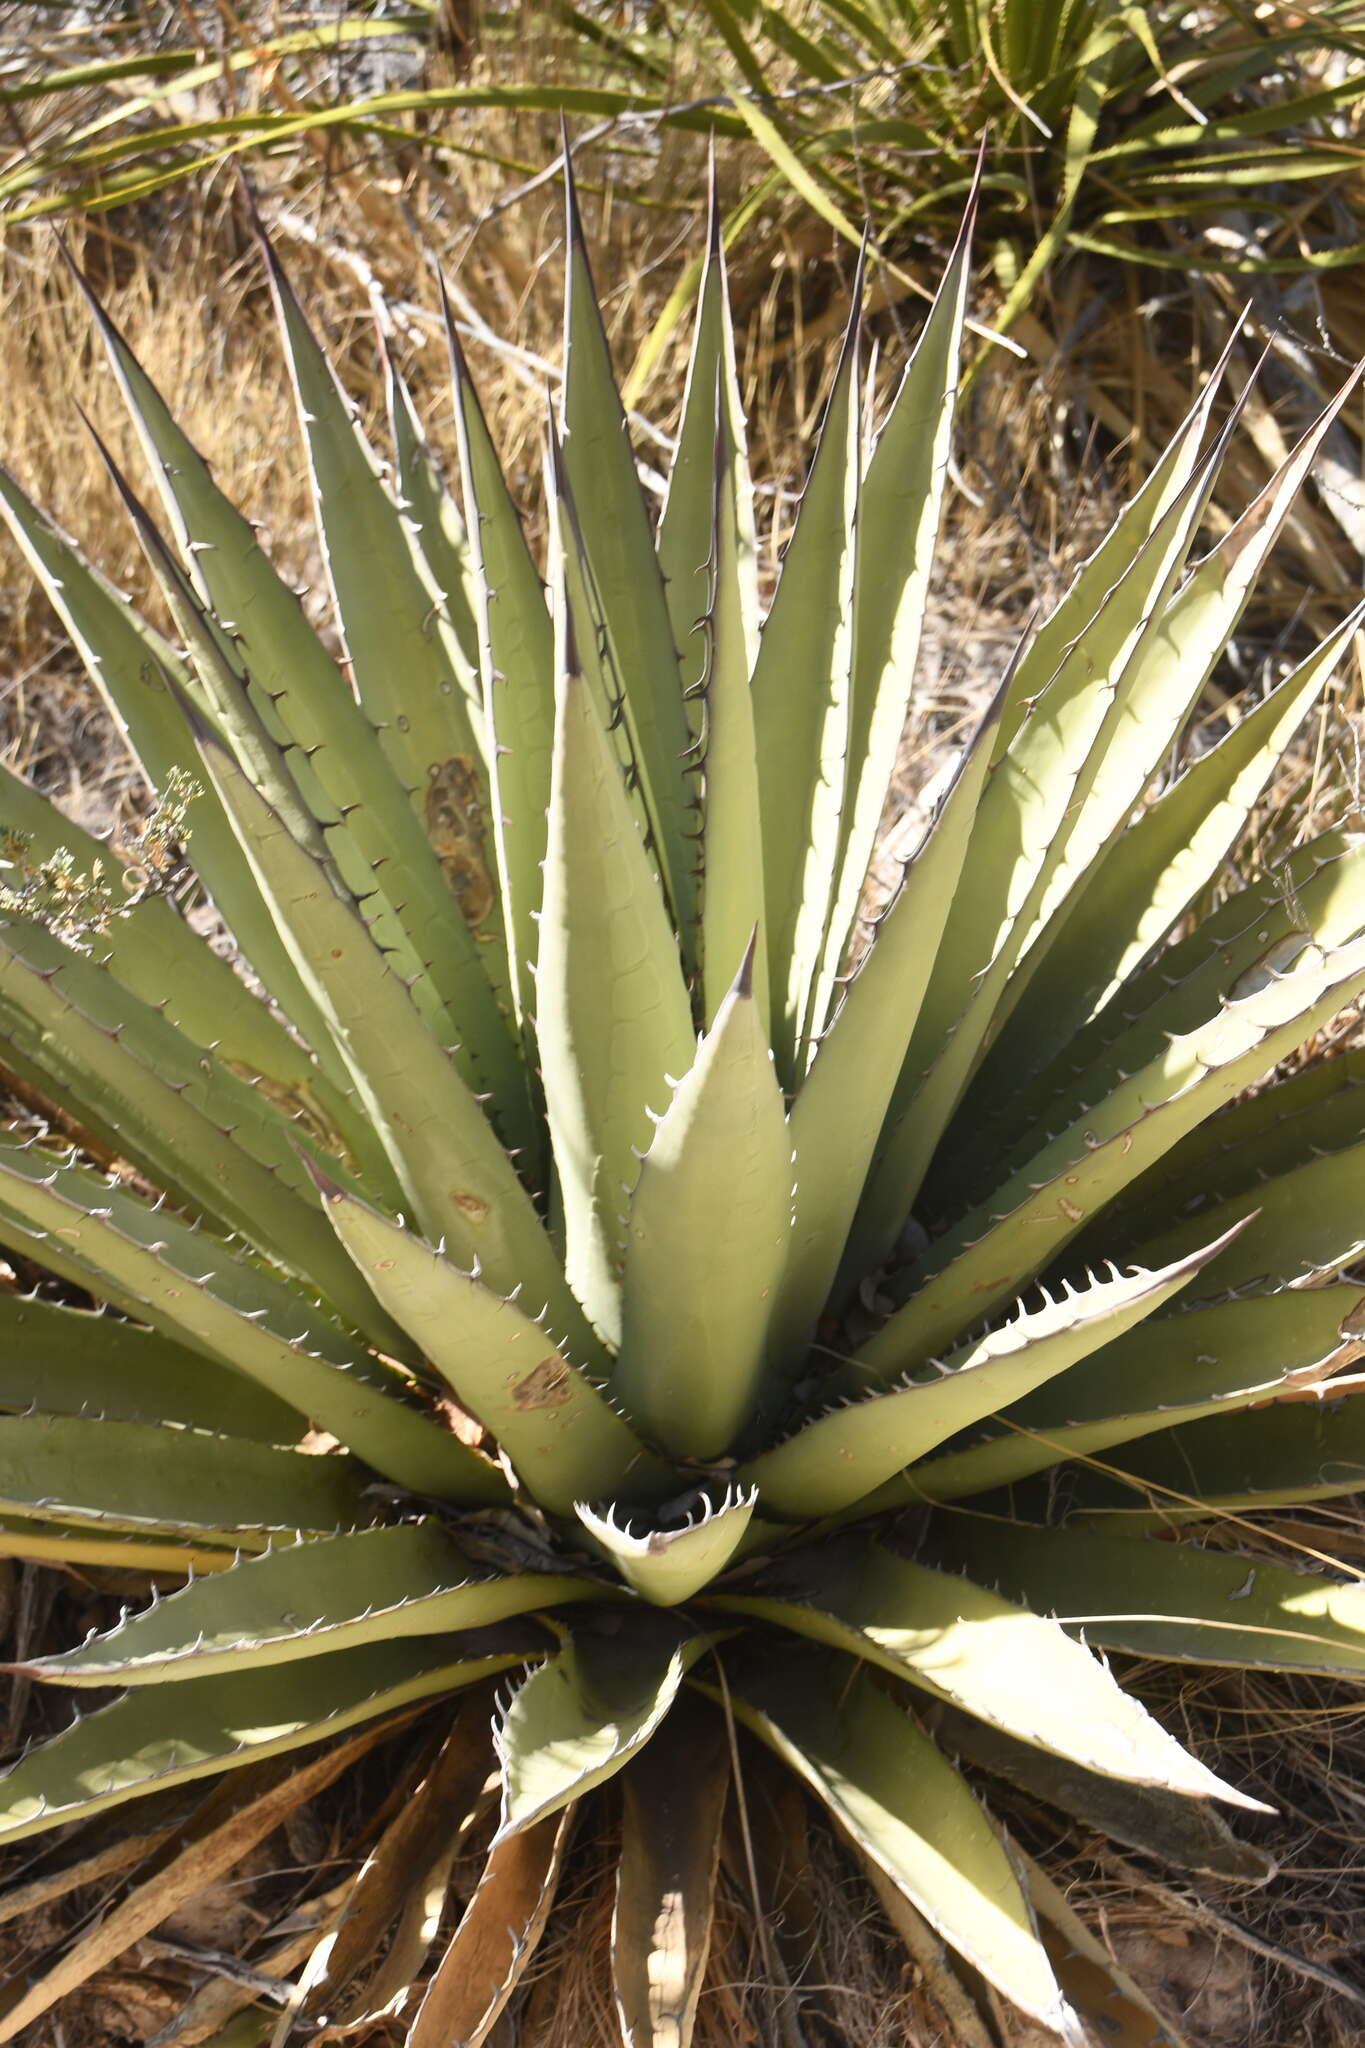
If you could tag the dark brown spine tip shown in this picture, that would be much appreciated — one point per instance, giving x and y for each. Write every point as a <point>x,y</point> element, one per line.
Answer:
<point>572,212</point>
<point>714,250</point>
<point>744,980</point>
<point>329,1189</point>
<point>459,367</point>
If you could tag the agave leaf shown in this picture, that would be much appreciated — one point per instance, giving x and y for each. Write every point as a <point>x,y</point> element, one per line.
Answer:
<point>710,475</point>
<point>158,1736</point>
<point>374,1585</point>
<point>625,569</point>
<point>1269,1456</point>
<point>169,1107</point>
<point>1116,2008</point>
<point>841,1456</point>
<point>1140,886</point>
<point>138,1477</point>
<point>460,1181</point>
<point>53,1543</point>
<point>1043,808</point>
<point>951,1997</point>
<point>516,661</point>
<point>668,1565</point>
<point>200,1291</point>
<point>74,1362</point>
<point>706,1240</point>
<point>994,1659</point>
<point>441,532</point>
<point>1168,1599</point>
<point>673,1801</point>
<point>732,906</point>
<point>154,953</point>
<point>612,1012</point>
<point>899,508</point>
<point>1178,1368</point>
<point>906,1808</point>
<point>579,1718</point>
<point>801,689</point>
<point>129,664</point>
<point>983,1262</point>
<point>838,1113</point>
<point>560,1434</point>
<point>496,1938</point>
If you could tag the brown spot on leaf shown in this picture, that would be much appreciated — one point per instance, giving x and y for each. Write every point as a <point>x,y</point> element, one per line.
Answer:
<point>456,823</point>
<point>472,1206</point>
<point>545,1386</point>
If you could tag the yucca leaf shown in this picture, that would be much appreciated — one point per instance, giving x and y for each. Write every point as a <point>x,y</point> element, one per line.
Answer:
<point>1169,1599</point>
<point>801,688</point>
<point>199,1290</point>
<point>561,1435</point>
<point>441,531</point>
<point>838,1113</point>
<point>612,1013</point>
<point>583,1715</point>
<point>843,1455</point>
<point>87,1364</point>
<point>981,1263</point>
<point>706,1240</point>
<point>899,507</point>
<point>732,886</point>
<point>673,1801</point>
<point>999,1662</point>
<point>709,487</point>
<point>129,663</point>
<point>454,1172</point>
<point>1176,1369</point>
<point>1140,886</point>
<point>906,1807</point>
<point>668,1565</point>
<point>496,1938</point>
<point>157,1736</point>
<point>620,546</point>
<point>1273,1455</point>
<point>136,1476</point>
<point>373,1586</point>
<point>516,660</point>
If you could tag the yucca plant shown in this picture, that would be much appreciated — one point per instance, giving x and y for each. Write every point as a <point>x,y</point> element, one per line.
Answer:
<point>555,1287</point>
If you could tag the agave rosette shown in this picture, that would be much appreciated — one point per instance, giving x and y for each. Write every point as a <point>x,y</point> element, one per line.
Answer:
<point>544,1194</point>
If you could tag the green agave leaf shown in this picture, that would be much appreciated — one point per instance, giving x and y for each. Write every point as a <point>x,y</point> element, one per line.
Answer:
<point>1139,887</point>
<point>557,1430</point>
<point>516,662</point>
<point>802,684</point>
<point>1190,1833</point>
<point>673,1802</point>
<point>69,1361</point>
<point>62,1545</point>
<point>374,1586</point>
<point>706,1241</point>
<point>612,1011</point>
<point>996,1660</point>
<point>838,1113</point>
<point>1176,1369</point>
<point>668,1565</point>
<point>136,1476</point>
<point>1168,1599</point>
<point>583,1715</point>
<point>899,508</point>
<point>1116,2008</point>
<point>169,1107</point>
<point>907,1808</point>
<point>620,546</point>
<point>1046,807</point>
<point>129,664</point>
<point>732,905</point>
<point>710,474</point>
<point>982,1262</point>
<point>200,1291</point>
<point>459,1180</point>
<point>157,1736</point>
<point>841,1456</point>
<point>1273,1455</point>
<point>441,532</point>
<point>155,954</point>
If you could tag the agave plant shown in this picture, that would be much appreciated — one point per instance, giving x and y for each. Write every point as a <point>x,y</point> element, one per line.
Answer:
<point>552,1285</point>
